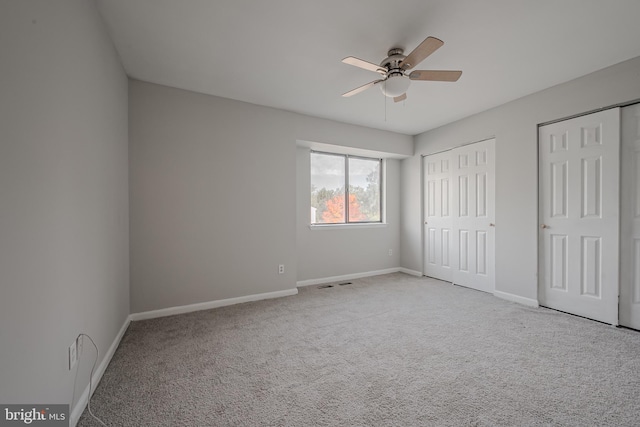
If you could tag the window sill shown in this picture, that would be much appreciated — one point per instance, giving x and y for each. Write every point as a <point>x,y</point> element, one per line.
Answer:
<point>337,226</point>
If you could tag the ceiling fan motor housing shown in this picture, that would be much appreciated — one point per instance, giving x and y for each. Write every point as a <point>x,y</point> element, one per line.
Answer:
<point>393,59</point>
<point>396,82</point>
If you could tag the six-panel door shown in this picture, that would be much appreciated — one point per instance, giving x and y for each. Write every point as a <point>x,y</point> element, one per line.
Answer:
<point>459,215</point>
<point>579,205</point>
<point>438,220</point>
<point>473,195</point>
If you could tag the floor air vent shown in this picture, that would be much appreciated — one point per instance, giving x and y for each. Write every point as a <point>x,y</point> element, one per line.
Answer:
<point>325,286</point>
<point>345,283</point>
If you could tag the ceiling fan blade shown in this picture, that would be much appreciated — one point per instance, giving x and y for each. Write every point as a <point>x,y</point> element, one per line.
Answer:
<point>361,88</point>
<point>356,62</point>
<point>400,98</point>
<point>436,75</point>
<point>424,49</point>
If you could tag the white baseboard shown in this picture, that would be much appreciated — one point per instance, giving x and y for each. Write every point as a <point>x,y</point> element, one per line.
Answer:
<point>81,404</point>
<point>516,298</point>
<point>311,282</point>
<point>170,311</point>
<point>411,272</point>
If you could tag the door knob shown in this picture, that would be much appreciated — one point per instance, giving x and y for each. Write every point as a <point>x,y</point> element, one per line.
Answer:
<point>425,222</point>
<point>544,226</point>
<point>492,225</point>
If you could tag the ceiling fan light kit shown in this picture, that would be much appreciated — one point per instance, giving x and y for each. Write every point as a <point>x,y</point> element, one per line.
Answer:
<point>395,85</point>
<point>394,70</point>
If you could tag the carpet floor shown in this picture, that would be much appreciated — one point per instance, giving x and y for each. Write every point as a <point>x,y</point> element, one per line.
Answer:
<point>392,350</point>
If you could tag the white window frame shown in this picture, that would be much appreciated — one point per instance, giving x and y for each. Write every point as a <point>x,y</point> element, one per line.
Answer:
<point>347,223</point>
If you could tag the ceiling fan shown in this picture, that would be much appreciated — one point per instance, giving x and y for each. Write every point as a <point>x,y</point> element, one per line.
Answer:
<point>394,70</point>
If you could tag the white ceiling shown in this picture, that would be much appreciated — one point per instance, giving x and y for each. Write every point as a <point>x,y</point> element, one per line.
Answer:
<point>287,53</point>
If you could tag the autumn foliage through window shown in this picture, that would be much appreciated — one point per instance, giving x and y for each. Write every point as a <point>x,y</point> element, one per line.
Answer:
<point>337,178</point>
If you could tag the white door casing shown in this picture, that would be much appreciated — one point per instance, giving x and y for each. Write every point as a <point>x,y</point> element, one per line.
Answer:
<point>630,219</point>
<point>437,216</point>
<point>579,222</point>
<point>459,213</point>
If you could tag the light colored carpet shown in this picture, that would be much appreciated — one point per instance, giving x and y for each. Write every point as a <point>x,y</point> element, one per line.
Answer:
<point>392,350</point>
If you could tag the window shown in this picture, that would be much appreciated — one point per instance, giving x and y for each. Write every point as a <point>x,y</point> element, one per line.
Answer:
<point>338,178</point>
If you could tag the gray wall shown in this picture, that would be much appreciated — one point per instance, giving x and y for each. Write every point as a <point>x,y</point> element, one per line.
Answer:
<point>331,251</point>
<point>515,127</point>
<point>213,194</point>
<point>63,195</point>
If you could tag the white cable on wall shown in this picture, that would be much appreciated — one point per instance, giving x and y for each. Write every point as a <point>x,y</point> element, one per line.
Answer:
<point>90,378</point>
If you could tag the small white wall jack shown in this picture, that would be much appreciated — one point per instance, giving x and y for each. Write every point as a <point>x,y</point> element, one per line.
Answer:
<point>390,252</point>
<point>281,269</point>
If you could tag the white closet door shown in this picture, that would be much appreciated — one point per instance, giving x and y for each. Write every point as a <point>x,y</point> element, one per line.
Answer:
<point>630,219</point>
<point>437,216</point>
<point>579,209</point>
<point>473,208</point>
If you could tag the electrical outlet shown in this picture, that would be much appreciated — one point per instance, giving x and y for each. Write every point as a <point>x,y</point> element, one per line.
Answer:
<point>73,354</point>
<point>281,269</point>
<point>390,252</point>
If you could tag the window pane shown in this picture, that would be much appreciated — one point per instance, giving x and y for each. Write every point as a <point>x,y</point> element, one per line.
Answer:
<point>364,190</point>
<point>327,188</point>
